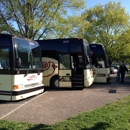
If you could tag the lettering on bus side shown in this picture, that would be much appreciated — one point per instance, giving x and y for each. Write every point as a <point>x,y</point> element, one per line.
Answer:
<point>32,77</point>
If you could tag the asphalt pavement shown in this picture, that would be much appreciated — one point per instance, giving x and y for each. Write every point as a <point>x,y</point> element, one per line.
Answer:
<point>54,106</point>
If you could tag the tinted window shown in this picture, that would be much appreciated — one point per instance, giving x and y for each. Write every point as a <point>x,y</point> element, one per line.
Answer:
<point>5,40</point>
<point>97,49</point>
<point>50,54</point>
<point>64,61</point>
<point>87,56</point>
<point>36,55</point>
<point>22,51</point>
<point>76,46</point>
<point>4,58</point>
<point>53,45</point>
<point>100,53</point>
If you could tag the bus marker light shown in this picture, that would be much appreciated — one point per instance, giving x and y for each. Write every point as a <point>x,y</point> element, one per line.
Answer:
<point>15,87</point>
<point>20,86</point>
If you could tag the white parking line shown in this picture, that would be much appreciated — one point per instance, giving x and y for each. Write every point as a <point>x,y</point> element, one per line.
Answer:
<point>20,106</point>
<point>11,111</point>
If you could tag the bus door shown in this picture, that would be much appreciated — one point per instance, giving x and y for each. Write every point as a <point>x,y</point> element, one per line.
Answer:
<point>5,76</point>
<point>77,70</point>
<point>5,86</point>
<point>100,73</point>
<point>65,71</point>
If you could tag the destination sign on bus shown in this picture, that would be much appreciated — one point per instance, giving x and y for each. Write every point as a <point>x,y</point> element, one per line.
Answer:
<point>66,41</point>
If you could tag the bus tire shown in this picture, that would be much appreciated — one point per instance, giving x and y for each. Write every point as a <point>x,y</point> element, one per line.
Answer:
<point>54,82</point>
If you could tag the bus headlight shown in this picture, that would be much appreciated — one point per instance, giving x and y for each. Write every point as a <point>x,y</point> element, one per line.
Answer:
<point>15,87</point>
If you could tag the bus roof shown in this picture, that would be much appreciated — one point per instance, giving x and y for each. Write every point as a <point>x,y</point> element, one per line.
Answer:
<point>61,39</point>
<point>3,34</point>
<point>96,44</point>
<point>12,35</point>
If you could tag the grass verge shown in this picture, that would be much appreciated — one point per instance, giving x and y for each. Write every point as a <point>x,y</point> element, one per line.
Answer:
<point>128,76</point>
<point>112,116</point>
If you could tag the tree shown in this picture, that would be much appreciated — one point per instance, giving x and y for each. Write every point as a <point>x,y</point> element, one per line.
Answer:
<point>123,46</point>
<point>78,26</point>
<point>38,19</point>
<point>108,23</point>
<point>2,25</point>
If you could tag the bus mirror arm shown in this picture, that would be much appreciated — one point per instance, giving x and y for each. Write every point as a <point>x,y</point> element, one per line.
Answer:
<point>18,64</point>
<point>29,64</point>
<point>38,72</point>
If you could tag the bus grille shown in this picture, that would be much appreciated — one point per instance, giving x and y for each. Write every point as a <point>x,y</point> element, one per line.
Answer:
<point>31,85</point>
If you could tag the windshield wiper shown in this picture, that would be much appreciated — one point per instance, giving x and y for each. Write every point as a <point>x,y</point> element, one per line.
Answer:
<point>27,69</point>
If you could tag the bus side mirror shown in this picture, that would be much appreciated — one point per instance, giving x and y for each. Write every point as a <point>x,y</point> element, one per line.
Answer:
<point>18,62</point>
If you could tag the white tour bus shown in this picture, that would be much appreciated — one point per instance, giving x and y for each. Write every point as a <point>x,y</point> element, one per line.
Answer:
<point>21,69</point>
<point>66,63</point>
<point>102,70</point>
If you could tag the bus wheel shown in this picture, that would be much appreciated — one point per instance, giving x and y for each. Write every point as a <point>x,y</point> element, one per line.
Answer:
<point>55,82</point>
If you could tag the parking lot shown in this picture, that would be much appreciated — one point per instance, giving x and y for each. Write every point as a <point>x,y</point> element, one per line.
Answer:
<point>57,105</point>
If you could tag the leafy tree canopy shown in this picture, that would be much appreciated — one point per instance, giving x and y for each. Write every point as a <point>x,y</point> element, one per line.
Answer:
<point>109,24</point>
<point>37,19</point>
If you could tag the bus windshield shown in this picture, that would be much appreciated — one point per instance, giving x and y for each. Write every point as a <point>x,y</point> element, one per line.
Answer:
<point>100,53</point>
<point>29,52</point>
<point>36,55</point>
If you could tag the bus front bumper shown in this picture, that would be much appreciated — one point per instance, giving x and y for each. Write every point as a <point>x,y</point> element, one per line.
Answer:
<point>88,81</point>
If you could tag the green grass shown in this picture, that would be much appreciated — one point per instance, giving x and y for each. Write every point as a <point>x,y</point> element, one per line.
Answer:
<point>127,76</point>
<point>112,116</point>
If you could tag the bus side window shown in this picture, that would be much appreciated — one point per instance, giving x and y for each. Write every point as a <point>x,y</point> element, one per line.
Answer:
<point>4,58</point>
<point>65,61</point>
